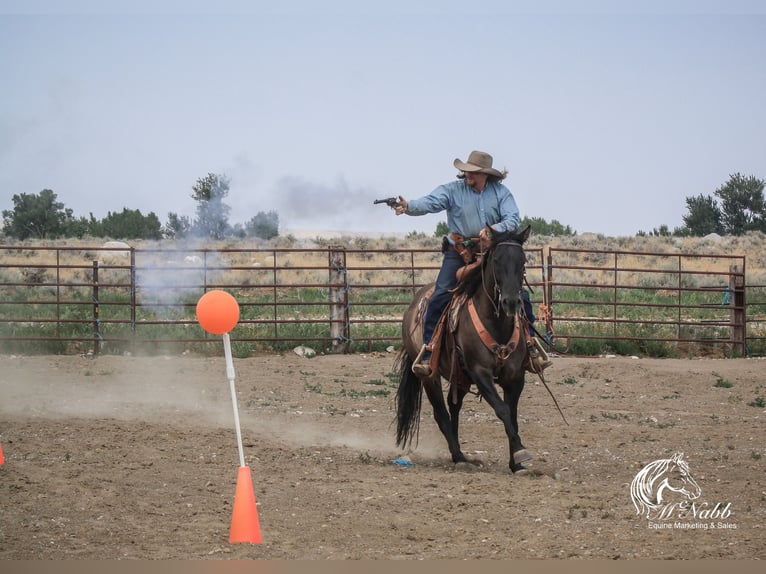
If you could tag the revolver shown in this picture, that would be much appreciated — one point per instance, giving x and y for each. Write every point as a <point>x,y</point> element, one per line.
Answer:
<point>389,201</point>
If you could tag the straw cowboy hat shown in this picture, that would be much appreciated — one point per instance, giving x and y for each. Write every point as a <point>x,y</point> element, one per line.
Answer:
<point>478,161</point>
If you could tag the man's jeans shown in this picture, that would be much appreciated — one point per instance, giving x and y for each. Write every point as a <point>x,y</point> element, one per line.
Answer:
<point>445,281</point>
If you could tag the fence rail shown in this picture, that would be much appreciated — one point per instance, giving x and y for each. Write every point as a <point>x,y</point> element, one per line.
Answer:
<point>654,298</point>
<point>123,300</point>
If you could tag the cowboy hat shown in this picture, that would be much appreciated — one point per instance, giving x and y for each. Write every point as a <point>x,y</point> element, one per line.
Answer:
<point>478,161</point>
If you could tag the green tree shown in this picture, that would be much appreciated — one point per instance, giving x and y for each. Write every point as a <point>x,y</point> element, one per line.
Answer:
<point>36,215</point>
<point>237,230</point>
<point>212,213</point>
<point>441,229</point>
<point>131,224</point>
<point>80,227</point>
<point>662,231</point>
<point>263,225</point>
<point>703,216</point>
<point>541,227</point>
<point>538,224</point>
<point>177,226</point>
<point>742,204</point>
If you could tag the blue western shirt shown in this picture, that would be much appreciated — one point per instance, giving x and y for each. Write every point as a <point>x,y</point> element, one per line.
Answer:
<point>468,212</point>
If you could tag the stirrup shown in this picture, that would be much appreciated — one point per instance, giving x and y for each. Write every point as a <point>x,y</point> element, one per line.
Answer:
<point>541,364</point>
<point>419,368</point>
<point>538,357</point>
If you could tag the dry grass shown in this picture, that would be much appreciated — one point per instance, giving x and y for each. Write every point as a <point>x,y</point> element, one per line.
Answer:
<point>262,253</point>
<point>380,269</point>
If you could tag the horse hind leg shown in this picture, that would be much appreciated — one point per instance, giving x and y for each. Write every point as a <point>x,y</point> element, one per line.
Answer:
<point>444,420</point>
<point>409,399</point>
<point>454,413</point>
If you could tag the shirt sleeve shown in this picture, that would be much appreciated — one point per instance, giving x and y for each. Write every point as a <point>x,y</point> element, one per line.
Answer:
<point>438,200</point>
<point>509,211</point>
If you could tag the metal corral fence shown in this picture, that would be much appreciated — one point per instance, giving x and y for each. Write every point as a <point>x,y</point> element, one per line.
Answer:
<point>336,299</point>
<point>639,302</point>
<point>755,319</point>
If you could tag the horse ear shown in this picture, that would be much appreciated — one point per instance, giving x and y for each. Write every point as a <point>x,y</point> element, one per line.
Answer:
<point>524,235</point>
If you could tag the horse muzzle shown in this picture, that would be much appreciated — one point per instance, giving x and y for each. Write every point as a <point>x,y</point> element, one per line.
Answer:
<point>509,305</point>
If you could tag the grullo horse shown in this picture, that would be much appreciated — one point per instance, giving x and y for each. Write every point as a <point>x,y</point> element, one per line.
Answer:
<point>483,344</point>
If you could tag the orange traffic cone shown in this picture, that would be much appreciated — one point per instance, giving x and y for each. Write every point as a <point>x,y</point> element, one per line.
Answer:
<point>244,520</point>
<point>2,459</point>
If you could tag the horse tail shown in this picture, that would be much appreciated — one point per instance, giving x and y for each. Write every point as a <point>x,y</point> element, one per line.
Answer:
<point>409,398</point>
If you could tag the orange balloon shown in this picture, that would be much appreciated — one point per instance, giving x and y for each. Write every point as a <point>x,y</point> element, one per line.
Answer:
<point>217,312</point>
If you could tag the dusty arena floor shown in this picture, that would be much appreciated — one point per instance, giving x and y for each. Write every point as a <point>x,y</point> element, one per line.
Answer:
<point>136,457</point>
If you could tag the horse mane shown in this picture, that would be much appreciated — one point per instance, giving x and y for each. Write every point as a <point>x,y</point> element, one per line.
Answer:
<point>472,279</point>
<point>642,488</point>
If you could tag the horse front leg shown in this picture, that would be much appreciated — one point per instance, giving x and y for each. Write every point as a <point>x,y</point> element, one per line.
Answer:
<point>444,420</point>
<point>455,402</point>
<point>518,454</point>
<point>511,395</point>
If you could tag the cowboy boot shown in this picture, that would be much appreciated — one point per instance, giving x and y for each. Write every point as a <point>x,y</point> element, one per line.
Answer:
<point>538,358</point>
<point>421,366</point>
<point>544,358</point>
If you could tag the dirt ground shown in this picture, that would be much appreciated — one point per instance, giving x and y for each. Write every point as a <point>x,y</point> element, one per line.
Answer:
<point>136,457</point>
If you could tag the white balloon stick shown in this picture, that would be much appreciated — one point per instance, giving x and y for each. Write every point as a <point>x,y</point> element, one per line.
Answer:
<point>230,375</point>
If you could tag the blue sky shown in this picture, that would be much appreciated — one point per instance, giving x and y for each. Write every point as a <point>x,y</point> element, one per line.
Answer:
<point>607,115</point>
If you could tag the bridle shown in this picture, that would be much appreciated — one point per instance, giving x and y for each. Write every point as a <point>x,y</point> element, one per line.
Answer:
<point>495,299</point>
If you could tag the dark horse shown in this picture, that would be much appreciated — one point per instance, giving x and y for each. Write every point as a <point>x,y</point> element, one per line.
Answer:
<point>483,352</point>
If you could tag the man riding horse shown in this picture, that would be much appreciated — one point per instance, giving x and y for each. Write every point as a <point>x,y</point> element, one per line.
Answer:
<point>477,204</point>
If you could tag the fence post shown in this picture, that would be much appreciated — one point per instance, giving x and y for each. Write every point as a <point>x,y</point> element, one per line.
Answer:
<point>737,303</point>
<point>96,311</point>
<point>548,288</point>
<point>339,319</point>
<point>133,291</point>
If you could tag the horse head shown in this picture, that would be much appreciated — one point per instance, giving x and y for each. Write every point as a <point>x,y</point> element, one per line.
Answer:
<point>506,264</point>
<point>679,479</point>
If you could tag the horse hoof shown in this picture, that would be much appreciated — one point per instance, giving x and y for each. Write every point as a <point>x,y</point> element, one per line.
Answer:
<point>520,470</point>
<point>522,455</point>
<point>467,465</point>
<point>468,460</point>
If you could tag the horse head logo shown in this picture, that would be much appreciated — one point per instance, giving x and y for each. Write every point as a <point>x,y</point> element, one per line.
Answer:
<point>657,480</point>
